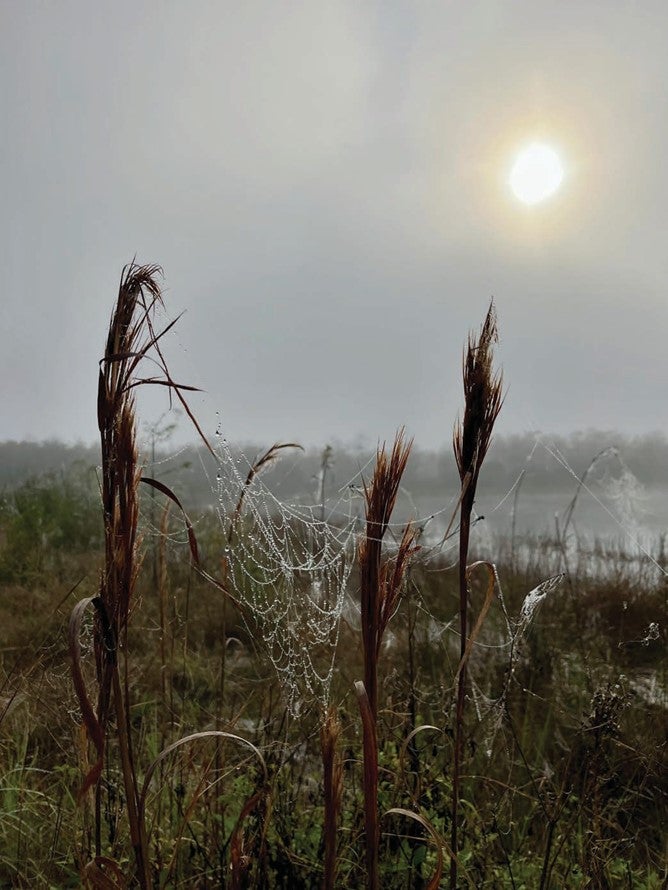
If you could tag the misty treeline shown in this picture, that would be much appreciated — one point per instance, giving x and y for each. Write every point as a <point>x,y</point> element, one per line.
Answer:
<point>542,457</point>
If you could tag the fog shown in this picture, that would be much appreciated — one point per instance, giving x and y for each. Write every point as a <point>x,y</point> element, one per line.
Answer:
<point>326,189</point>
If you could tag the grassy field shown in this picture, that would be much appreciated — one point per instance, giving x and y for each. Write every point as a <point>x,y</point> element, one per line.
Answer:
<point>507,717</point>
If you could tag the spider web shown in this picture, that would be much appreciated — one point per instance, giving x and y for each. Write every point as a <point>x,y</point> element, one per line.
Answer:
<point>289,567</point>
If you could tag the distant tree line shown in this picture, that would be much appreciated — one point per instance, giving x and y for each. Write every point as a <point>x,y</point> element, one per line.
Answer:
<point>20,461</point>
<point>297,476</point>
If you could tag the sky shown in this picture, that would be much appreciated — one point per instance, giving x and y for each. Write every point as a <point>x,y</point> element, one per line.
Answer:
<point>326,186</point>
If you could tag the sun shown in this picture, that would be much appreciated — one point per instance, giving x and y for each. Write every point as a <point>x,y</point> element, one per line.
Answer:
<point>536,174</point>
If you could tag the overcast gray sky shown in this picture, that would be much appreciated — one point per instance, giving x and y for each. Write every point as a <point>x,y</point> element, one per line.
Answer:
<point>326,188</point>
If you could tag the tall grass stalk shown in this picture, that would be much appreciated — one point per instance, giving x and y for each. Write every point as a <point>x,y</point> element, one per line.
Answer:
<point>130,339</point>
<point>472,437</point>
<point>381,584</point>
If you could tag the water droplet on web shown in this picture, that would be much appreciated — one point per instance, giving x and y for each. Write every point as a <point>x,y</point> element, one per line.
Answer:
<point>290,571</point>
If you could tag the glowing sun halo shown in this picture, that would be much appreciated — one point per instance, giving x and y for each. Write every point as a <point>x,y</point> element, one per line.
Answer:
<point>537,173</point>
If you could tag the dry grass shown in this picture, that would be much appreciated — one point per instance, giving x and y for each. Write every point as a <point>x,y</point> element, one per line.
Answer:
<point>380,589</point>
<point>482,404</point>
<point>131,339</point>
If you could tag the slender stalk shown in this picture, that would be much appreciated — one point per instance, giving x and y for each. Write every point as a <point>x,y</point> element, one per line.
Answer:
<point>333,791</point>
<point>370,750</point>
<point>161,577</point>
<point>381,584</point>
<point>482,403</point>
<point>412,694</point>
<point>464,534</point>
<point>130,781</point>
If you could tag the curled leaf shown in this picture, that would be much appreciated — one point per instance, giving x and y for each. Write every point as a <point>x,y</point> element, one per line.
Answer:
<point>103,873</point>
<point>409,738</point>
<point>164,489</point>
<point>189,739</point>
<point>439,843</point>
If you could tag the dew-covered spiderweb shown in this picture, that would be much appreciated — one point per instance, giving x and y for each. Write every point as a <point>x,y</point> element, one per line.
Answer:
<point>288,566</point>
<point>607,487</point>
